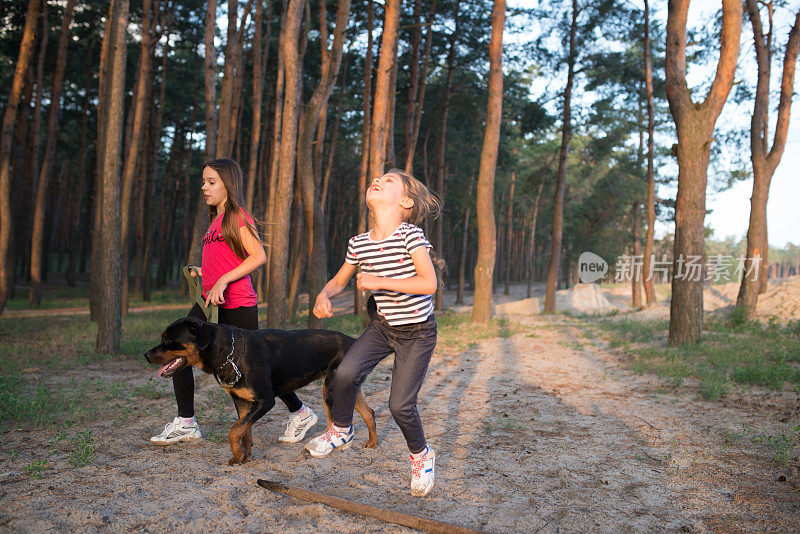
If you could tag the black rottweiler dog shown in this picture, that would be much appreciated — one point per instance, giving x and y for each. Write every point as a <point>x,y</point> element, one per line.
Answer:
<point>255,366</point>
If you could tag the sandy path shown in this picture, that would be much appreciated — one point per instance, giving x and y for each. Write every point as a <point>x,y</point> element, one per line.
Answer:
<point>542,431</point>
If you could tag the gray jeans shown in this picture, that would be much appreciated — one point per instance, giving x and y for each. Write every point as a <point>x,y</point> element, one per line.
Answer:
<point>413,346</point>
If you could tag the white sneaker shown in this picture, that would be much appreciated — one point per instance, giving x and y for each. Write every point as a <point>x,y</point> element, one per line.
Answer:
<point>333,439</point>
<point>176,431</point>
<point>423,474</point>
<point>297,426</point>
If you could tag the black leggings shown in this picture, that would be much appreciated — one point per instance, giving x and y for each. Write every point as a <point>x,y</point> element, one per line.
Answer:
<point>183,381</point>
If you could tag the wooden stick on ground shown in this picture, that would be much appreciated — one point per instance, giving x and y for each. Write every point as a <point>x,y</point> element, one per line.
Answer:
<point>389,516</point>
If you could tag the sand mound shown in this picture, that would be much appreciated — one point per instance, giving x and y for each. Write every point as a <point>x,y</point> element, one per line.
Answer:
<point>782,299</point>
<point>583,298</point>
<point>531,306</point>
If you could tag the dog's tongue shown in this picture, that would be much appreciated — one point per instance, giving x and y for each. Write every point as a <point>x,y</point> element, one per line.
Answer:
<point>173,363</point>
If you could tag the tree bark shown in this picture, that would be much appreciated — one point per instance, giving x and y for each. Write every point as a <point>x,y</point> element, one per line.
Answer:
<point>462,260</point>
<point>765,160</point>
<point>554,268</point>
<point>107,236</point>
<point>380,109</point>
<point>37,233</point>
<point>32,159</point>
<point>484,268</point>
<point>135,152</point>
<point>649,290</point>
<point>419,95</point>
<point>210,76</point>
<point>636,282</point>
<point>276,143</point>
<point>286,167</point>
<point>310,186</point>
<point>366,128</point>
<point>695,126</point>
<point>509,233</point>
<point>258,96</point>
<point>440,155</point>
<point>226,128</point>
<point>532,232</point>
<point>6,141</point>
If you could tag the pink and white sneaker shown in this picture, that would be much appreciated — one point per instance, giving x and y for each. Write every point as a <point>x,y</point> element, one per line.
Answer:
<point>334,439</point>
<point>423,473</point>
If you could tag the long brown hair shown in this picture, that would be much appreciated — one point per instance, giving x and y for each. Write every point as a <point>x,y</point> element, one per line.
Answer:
<point>231,175</point>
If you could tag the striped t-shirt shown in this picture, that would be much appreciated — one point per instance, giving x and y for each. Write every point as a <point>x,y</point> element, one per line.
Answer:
<point>391,257</point>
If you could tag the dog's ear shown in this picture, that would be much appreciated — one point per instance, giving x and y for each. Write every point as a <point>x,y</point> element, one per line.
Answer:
<point>205,335</point>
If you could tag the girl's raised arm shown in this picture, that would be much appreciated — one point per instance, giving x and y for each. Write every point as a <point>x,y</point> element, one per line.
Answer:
<point>323,307</point>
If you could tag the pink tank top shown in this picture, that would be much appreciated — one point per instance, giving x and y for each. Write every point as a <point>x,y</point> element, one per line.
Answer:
<point>218,259</point>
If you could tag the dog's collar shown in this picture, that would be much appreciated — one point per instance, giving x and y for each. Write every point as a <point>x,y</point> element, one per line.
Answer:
<point>229,360</point>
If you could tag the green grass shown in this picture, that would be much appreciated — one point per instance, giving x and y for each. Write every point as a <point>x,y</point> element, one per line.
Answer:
<point>784,446</point>
<point>83,452</point>
<point>36,468</point>
<point>732,351</point>
<point>62,296</point>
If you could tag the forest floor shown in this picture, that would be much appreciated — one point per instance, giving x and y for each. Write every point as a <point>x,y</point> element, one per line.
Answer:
<point>540,423</point>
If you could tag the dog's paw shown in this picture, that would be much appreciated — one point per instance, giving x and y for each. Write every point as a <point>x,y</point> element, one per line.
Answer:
<point>235,460</point>
<point>371,444</point>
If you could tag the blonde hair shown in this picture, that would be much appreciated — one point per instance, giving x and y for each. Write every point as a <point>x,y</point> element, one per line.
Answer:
<point>426,203</point>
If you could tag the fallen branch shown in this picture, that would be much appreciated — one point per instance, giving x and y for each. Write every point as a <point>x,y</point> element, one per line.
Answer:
<point>389,516</point>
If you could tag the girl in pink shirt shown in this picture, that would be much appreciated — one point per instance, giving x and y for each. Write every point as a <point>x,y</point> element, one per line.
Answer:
<point>231,251</point>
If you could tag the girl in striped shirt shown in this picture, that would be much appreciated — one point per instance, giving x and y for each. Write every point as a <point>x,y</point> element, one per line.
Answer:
<point>396,266</point>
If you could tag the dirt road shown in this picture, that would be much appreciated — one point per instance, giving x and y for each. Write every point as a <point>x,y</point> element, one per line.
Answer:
<point>541,431</point>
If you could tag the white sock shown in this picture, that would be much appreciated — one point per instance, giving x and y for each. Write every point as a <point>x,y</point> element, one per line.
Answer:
<point>187,421</point>
<point>343,429</point>
<point>420,454</point>
<point>302,412</point>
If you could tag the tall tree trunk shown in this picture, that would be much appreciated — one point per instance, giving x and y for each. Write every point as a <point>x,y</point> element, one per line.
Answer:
<point>31,167</point>
<point>6,141</point>
<point>280,87</point>
<point>390,112</point>
<point>76,234</point>
<point>440,155</point>
<point>380,109</point>
<point>310,186</point>
<point>334,140</point>
<point>636,282</point>
<point>419,95</point>
<point>258,95</point>
<point>509,233</point>
<point>135,152</point>
<point>210,81</point>
<point>649,290</point>
<point>361,227</point>
<point>107,236</point>
<point>532,232</point>
<point>297,254</point>
<point>695,126</point>
<point>226,129</point>
<point>49,156</point>
<point>765,159</point>
<point>286,166</point>
<point>462,260</point>
<point>413,75</point>
<point>554,268</point>
<point>484,268</point>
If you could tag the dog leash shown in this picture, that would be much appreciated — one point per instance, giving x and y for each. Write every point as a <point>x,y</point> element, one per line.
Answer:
<point>229,360</point>
<point>196,294</point>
